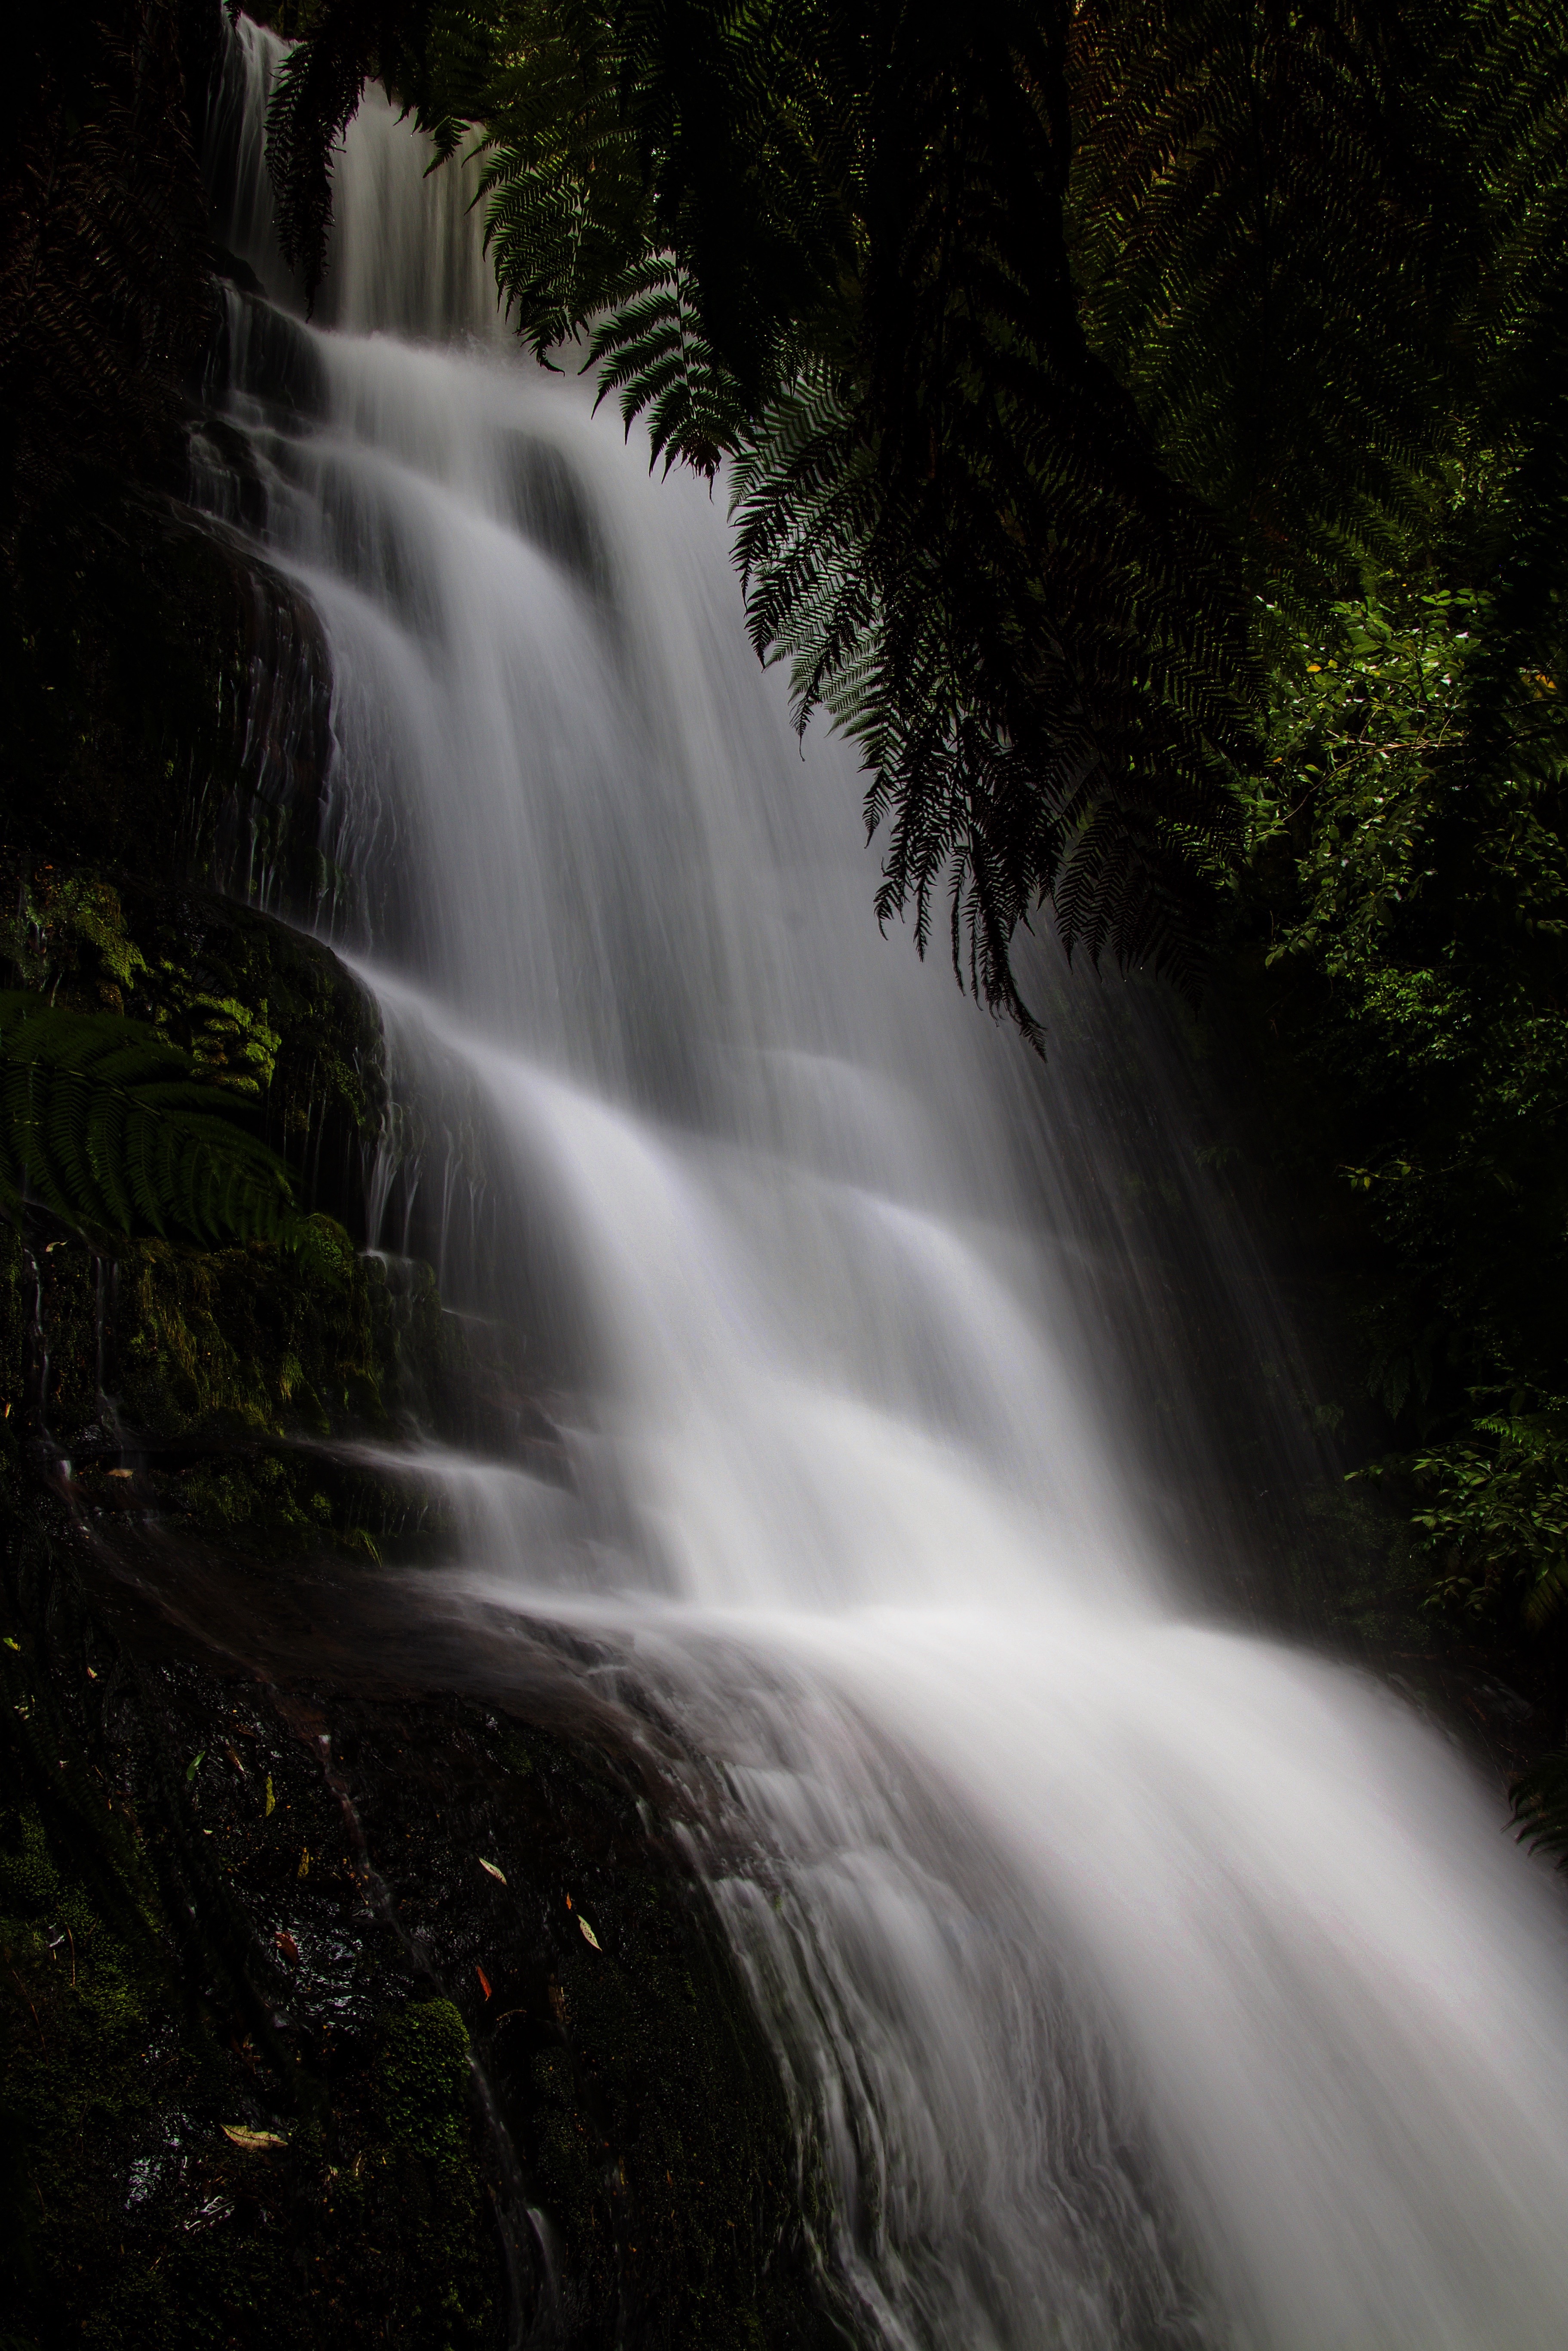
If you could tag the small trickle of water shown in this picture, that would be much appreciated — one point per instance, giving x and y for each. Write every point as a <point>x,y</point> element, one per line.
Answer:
<point>1135,1982</point>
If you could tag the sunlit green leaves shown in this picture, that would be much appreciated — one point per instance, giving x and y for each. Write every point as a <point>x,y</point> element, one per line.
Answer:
<point>1494,1515</point>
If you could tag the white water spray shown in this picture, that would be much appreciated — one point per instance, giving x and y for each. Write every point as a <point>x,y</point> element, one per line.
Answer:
<point>1135,1982</point>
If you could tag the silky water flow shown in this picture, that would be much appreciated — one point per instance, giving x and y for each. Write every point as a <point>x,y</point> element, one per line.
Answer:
<point>1136,1980</point>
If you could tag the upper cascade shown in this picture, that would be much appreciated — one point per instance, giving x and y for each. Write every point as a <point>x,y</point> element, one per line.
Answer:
<point>407,254</point>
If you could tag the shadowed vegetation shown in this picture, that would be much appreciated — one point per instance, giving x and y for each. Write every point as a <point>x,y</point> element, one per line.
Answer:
<point>1060,355</point>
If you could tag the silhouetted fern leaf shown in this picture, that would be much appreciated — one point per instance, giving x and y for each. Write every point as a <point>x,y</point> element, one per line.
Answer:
<point>1541,1805</point>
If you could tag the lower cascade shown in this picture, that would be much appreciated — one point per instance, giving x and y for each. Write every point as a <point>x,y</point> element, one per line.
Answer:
<point>1134,1981</point>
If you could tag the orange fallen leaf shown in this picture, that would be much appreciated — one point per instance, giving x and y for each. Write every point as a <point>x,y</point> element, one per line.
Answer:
<point>483,1979</point>
<point>287,1946</point>
<point>253,2140</point>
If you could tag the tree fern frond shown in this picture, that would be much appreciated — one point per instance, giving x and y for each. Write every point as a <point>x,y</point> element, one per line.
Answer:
<point>1273,246</point>
<point>104,297</point>
<point>652,352</point>
<point>102,1123</point>
<point>1540,1806</point>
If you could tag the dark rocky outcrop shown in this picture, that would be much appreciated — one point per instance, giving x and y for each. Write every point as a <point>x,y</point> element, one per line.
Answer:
<point>282,2062</point>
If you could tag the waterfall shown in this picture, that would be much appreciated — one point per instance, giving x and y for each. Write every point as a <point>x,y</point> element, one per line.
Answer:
<point>1136,1979</point>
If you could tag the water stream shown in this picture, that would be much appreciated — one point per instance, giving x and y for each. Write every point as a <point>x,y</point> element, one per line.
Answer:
<point>1137,1980</point>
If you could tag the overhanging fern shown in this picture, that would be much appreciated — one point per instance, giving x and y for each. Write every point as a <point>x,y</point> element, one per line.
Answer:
<point>1056,347</point>
<point>102,1123</point>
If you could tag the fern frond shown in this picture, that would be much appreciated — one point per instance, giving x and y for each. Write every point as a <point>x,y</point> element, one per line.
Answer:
<point>102,1123</point>
<point>653,352</point>
<point>1273,246</point>
<point>973,560</point>
<point>104,297</point>
<point>1540,1806</point>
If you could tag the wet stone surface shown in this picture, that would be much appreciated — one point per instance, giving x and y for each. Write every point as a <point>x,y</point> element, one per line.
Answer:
<point>336,2008</point>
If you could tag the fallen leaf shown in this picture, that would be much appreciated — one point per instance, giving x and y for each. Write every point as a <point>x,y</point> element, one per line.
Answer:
<point>304,1868</point>
<point>242,1769</point>
<point>271,1799</point>
<point>11,1645</point>
<point>122,1473</point>
<point>287,1946</point>
<point>92,1672</point>
<point>253,2139</point>
<point>588,1934</point>
<point>568,1902</point>
<point>216,2209</point>
<point>491,1869</point>
<point>196,1763</point>
<point>483,1979</point>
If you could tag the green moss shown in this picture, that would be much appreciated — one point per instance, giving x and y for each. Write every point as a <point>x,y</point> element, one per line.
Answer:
<point>27,1881</point>
<point>256,1339</point>
<point>424,2075</point>
<point>427,2094</point>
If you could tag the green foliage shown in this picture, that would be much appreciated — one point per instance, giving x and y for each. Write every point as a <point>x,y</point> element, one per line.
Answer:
<point>103,1123</point>
<point>426,2078</point>
<point>1274,230</point>
<point>1012,442</point>
<point>1412,917</point>
<point>1515,122</point>
<point>83,908</point>
<point>1357,733</point>
<point>105,295</point>
<point>969,553</point>
<point>1497,1522</point>
<point>1400,974</point>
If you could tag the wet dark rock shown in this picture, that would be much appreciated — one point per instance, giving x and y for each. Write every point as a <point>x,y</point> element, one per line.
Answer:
<point>237,271</point>
<point>244,1808</point>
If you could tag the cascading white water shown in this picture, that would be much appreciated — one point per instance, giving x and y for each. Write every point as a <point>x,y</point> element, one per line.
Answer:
<point>1136,1982</point>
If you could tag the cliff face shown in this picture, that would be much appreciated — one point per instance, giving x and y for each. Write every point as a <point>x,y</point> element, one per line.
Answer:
<point>304,2036</point>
